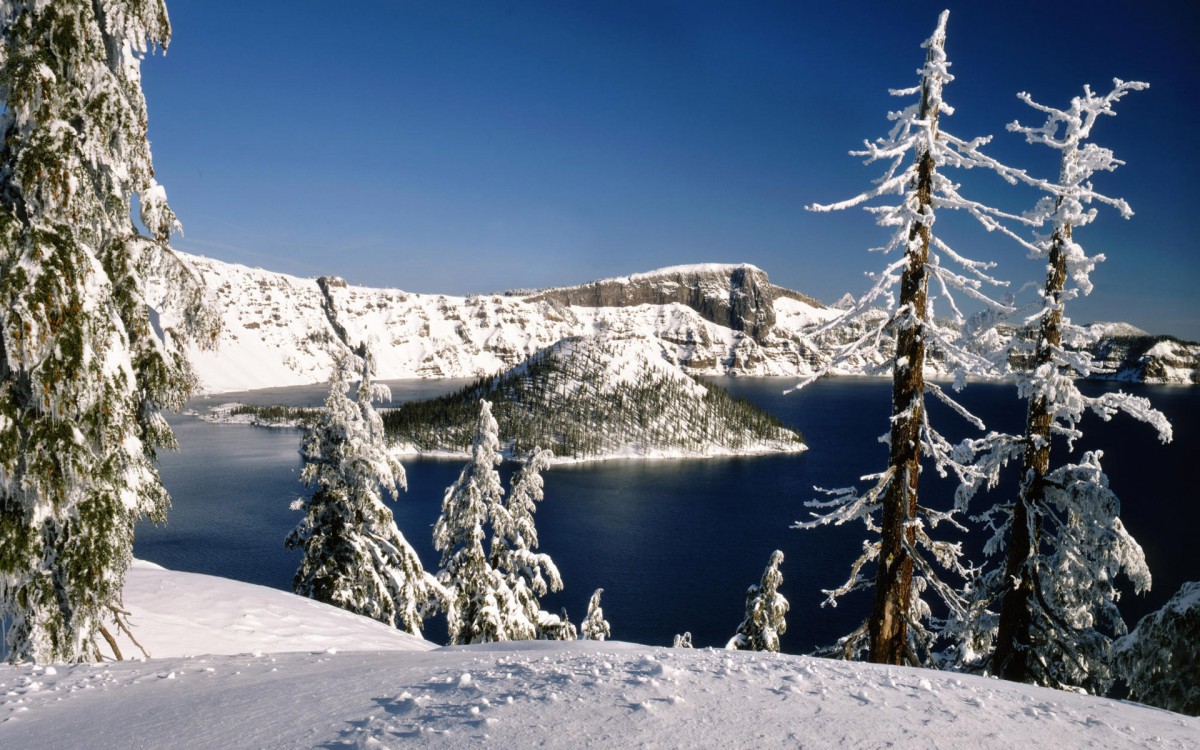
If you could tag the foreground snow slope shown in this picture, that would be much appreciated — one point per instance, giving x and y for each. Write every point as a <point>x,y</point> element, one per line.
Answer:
<point>186,614</point>
<point>568,695</point>
<point>513,695</point>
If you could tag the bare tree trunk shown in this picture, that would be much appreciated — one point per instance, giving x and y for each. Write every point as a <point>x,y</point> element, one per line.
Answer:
<point>1012,659</point>
<point>888,625</point>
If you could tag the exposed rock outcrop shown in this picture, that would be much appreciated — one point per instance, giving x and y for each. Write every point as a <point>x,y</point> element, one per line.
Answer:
<point>1147,359</point>
<point>738,297</point>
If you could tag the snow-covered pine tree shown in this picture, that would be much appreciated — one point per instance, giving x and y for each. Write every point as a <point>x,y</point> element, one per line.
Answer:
<point>765,611</point>
<point>1160,659</point>
<point>480,601</point>
<point>83,372</point>
<point>595,627</point>
<point>354,556</point>
<point>917,150</point>
<point>527,574</point>
<point>1062,541</point>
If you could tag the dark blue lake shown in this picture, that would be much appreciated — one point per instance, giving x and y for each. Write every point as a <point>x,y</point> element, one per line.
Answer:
<point>674,544</point>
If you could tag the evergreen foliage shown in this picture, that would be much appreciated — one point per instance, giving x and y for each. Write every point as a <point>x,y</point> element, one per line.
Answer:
<point>84,370</point>
<point>595,627</point>
<point>494,597</point>
<point>354,556</point>
<point>1160,659</point>
<point>527,574</point>
<point>765,611</point>
<point>568,399</point>
<point>274,415</point>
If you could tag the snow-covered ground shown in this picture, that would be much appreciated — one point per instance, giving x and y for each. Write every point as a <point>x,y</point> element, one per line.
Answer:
<point>244,666</point>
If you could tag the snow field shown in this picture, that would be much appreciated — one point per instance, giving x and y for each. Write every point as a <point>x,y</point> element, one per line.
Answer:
<point>287,672</point>
<point>553,695</point>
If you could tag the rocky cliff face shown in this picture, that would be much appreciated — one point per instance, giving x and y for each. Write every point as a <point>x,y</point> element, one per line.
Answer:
<point>710,320</point>
<point>1147,359</point>
<point>737,297</point>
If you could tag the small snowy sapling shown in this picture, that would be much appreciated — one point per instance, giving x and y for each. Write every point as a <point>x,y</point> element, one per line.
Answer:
<point>595,627</point>
<point>765,611</point>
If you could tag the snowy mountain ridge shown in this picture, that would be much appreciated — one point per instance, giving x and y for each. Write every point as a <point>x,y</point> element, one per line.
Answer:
<point>709,319</point>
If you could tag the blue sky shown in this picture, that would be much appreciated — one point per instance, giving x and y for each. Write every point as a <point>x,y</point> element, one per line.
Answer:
<point>460,147</point>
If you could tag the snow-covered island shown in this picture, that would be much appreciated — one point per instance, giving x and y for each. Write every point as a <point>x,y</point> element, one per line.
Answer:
<point>585,399</point>
<point>238,665</point>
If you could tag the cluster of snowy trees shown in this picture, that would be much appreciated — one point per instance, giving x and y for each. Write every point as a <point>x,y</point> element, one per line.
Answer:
<point>494,592</point>
<point>357,559</point>
<point>1040,607</point>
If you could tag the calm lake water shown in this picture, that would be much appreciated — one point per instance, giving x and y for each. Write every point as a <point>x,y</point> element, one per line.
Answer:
<point>674,544</point>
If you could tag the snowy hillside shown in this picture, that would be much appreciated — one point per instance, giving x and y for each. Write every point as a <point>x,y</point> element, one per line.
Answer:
<point>272,686</point>
<point>278,330</point>
<point>595,396</point>
<point>712,319</point>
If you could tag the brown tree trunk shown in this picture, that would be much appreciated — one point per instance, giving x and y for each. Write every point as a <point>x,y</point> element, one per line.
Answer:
<point>887,626</point>
<point>1013,657</point>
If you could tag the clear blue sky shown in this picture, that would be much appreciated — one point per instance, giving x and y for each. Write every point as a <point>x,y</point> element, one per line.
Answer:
<point>463,147</point>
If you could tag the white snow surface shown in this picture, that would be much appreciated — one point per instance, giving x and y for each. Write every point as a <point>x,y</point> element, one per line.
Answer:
<point>279,684</point>
<point>187,614</point>
<point>276,332</point>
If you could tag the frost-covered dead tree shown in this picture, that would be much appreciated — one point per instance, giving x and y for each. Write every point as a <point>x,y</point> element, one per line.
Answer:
<point>1160,659</point>
<point>528,574</point>
<point>1062,540</point>
<point>916,151</point>
<point>595,627</point>
<point>83,371</point>
<point>354,555</point>
<point>765,612</point>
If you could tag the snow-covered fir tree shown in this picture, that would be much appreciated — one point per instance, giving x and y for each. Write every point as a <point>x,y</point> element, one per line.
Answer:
<point>1061,540</point>
<point>494,597</point>
<point>765,612</point>
<point>917,151</point>
<point>83,371</point>
<point>354,555</point>
<point>595,627</point>
<point>473,609</point>
<point>527,574</point>
<point>1160,660</point>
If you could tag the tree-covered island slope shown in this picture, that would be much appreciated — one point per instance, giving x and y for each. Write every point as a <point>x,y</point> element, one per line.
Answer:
<point>593,397</point>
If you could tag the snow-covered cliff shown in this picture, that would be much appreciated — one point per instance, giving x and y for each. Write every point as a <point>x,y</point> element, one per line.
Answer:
<point>709,319</point>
